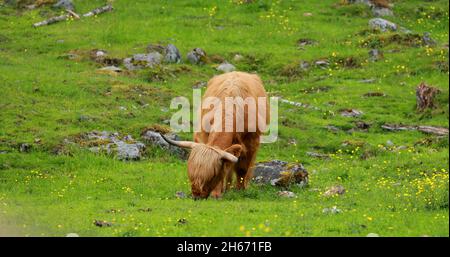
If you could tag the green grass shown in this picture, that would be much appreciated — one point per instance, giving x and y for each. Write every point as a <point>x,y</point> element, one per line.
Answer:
<point>391,193</point>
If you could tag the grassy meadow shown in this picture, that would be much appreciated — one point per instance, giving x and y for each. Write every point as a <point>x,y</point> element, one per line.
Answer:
<point>397,183</point>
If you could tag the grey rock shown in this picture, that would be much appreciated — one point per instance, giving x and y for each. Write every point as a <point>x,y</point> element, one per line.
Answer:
<point>24,148</point>
<point>139,61</point>
<point>72,235</point>
<point>368,81</point>
<point>154,138</point>
<point>280,173</point>
<point>332,210</point>
<point>172,54</point>
<point>65,4</point>
<point>196,56</point>
<point>332,128</point>
<point>180,195</point>
<point>427,40</point>
<point>382,25</point>
<point>287,194</point>
<point>226,67</point>
<point>200,84</point>
<point>125,147</point>
<point>298,104</point>
<point>127,151</point>
<point>382,11</point>
<point>323,64</point>
<point>111,68</point>
<point>100,53</point>
<point>318,155</point>
<point>238,58</point>
<point>360,2</point>
<point>304,65</point>
<point>389,143</point>
<point>334,190</point>
<point>156,48</point>
<point>375,55</point>
<point>351,113</point>
<point>373,235</point>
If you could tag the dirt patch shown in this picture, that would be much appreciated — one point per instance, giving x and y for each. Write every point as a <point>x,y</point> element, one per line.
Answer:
<point>383,40</point>
<point>162,73</point>
<point>313,90</point>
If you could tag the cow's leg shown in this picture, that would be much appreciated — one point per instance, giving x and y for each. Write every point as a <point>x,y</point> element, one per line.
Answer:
<point>229,179</point>
<point>244,168</point>
<point>218,190</point>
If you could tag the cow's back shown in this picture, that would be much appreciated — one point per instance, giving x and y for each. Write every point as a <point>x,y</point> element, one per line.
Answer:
<point>233,84</point>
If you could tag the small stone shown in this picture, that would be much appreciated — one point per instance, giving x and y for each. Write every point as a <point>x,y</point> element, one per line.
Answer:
<point>24,148</point>
<point>196,56</point>
<point>375,55</point>
<point>156,48</point>
<point>332,128</point>
<point>111,68</point>
<point>389,143</point>
<point>72,235</point>
<point>226,67</point>
<point>180,195</point>
<point>368,81</point>
<point>127,151</point>
<point>65,4</point>
<point>351,113</point>
<point>323,64</point>
<point>102,223</point>
<point>154,138</point>
<point>280,173</point>
<point>427,40</point>
<point>332,210</point>
<point>139,61</point>
<point>287,194</point>
<point>372,235</point>
<point>182,221</point>
<point>304,65</point>
<point>382,25</point>
<point>334,190</point>
<point>238,58</point>
<point>172,54</point>
<point>200,84</point>
<point>318,155</point>
<point>382,11</point>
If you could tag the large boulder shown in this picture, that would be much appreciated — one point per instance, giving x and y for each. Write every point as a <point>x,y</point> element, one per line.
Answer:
<point>280,173</point>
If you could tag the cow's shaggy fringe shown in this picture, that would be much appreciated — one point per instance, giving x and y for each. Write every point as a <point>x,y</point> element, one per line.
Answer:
<point>206,164</point>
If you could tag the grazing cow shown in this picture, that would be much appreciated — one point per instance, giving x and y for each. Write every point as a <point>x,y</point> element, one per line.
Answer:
<point>217,152</point>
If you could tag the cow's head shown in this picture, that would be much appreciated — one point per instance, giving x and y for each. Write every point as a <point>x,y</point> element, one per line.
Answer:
<point>207,165</point>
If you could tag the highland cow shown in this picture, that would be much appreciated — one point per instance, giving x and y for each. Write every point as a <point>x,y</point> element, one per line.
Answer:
<point>218,152</point>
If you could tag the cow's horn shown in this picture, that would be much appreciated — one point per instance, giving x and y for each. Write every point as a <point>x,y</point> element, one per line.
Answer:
<point>229,156</point>
<point>184,144</point>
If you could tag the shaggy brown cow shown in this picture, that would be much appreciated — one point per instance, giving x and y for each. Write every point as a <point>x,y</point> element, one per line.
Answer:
<point>217,153</point>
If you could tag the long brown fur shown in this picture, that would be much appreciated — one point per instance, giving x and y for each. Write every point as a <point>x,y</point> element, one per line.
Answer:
<point>207,171</point>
